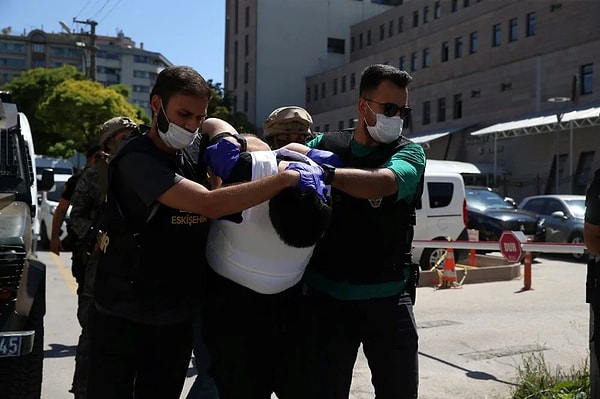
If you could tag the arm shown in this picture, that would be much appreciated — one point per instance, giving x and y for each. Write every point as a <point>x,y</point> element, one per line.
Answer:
<point>59,216</point>
<point>591,237</point>
<point>365,183</point>
<point>193,197</point>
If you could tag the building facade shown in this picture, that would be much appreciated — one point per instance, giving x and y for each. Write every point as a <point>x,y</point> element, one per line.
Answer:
<point>482,70</point>
<point>116,59</point>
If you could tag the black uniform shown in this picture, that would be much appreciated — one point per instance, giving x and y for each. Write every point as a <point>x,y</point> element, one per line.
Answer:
<point>592,216</point>
<point>146,287</point>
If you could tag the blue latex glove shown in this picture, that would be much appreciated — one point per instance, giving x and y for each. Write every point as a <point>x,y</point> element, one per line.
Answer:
<point>311,178</point>
<point>221,158</point>
<point>328,157</point>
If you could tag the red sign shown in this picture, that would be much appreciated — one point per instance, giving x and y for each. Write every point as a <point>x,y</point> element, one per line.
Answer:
<point>510,246</point>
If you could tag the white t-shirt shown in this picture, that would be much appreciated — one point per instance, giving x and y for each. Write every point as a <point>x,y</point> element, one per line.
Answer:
<point>251,253</point>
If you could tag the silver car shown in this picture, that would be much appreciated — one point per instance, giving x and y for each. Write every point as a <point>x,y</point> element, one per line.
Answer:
<point>564,217</point>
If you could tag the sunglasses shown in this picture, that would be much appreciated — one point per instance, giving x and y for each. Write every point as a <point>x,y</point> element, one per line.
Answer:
<point>391,109</point>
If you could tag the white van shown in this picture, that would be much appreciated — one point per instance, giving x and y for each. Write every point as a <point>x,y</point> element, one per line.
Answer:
<point>442,212</point>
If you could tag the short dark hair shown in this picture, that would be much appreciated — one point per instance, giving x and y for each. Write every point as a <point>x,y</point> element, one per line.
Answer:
<point>374,74</point>
<point>299,217</point>
<point>93,149</point>
<point>180,80</point>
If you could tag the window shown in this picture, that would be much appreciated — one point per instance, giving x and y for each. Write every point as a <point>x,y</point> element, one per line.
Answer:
<point>583,173</point>
<point>246,45</point>
<point>530,28</point>
<point>425,14</point>
<point>426,60</point>
<point>8,47</point>
<point>307,96</point>
<point>246,74</point>
<point>352,81</point>
<point>458,47</point>
<point>326,127</point>
<point>341,125</point>
<point>473,43</point>
<point>369,37</point>
<point>344,84</point>
<point>512,30</point>
<point>437,10</point>
<point>360,41</point>
<point>402,63</point>
<point>381,32</point>
<point>445,51</point>
<point>391,29</point>
<point>316,93</point>
<point>441,109</point>
<point>466,3</point>
<point>496,35</point>
<point>335,86</point>
<point>235,64</point>
<point>454,6</point>
<point>457,107</point>
<point>323,89</point>
<point>236,16</point>
<point>335,46</point>
<point>34,63</point>
<point>247,17</point>
<point>413,61</point>
<point>140,89</point>
<point>400,24</point>
<point>587,78</point>
<point>440,194</point>
<point>351,123</point>
<point>38,48</point>
<point>415,18</point>
<point>426,112</point>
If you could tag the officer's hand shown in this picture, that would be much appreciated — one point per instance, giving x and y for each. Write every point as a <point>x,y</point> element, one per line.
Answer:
<point>311,178</point>
<point>221,158</point>
<point>328,157</point>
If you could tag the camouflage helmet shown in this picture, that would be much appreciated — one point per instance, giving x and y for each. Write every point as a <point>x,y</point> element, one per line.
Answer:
<point>290,119</point>
<point>111,127</point>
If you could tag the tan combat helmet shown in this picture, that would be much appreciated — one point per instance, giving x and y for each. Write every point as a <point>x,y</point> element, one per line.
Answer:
<point>286,125</point>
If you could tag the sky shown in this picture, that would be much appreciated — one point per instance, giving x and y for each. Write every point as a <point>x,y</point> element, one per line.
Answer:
<point>186,32</point>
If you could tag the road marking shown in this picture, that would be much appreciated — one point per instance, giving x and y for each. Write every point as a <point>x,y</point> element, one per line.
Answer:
<point>66,273</point>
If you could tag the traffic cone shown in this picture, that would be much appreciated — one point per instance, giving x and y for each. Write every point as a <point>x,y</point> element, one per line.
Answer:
<point>449,279</point>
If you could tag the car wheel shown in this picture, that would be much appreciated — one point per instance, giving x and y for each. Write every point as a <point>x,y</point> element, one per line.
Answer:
<point>44,238</point>
<point>577,238</point>
<point>432,257</point>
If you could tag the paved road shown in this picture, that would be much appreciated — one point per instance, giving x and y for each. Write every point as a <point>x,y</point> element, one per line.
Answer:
<point>471,338</point>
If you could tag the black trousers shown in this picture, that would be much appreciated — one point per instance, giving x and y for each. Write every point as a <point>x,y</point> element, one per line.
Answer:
<point>129,359</point>
<point>388,333</point>
<point>259,344</point>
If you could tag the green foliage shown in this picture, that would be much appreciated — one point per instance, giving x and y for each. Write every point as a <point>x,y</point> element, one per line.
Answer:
<point>77,109</point>
<point>34,86</point>
<point>221,106</point>
<point>537,381</point>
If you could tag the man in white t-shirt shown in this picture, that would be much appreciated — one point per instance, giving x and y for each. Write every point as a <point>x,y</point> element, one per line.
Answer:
<point>256,325</point>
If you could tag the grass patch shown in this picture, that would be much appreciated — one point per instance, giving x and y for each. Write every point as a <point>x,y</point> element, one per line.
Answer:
<point>536,380</point>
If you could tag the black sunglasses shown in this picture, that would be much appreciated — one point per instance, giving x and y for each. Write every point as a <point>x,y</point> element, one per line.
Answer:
<point>391,109</point>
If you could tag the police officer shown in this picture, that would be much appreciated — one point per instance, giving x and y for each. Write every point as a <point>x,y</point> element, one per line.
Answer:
<point>591,236</point>
<point>290,124</point>
<point>360,273</point>
<point>88,197</point>
<point>151,246</point>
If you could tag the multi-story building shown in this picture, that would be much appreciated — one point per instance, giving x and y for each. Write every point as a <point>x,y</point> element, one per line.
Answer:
<point>116,59</point>
<point>482,70</point>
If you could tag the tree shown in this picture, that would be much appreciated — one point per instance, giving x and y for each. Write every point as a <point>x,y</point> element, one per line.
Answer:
<point>221,106</point>
<point>76,110</point>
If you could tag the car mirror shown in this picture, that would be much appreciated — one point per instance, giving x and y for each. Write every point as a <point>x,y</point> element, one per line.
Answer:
<point>559,215</point>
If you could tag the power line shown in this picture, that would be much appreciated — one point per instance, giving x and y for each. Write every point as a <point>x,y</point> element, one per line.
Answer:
<point>109,11</point>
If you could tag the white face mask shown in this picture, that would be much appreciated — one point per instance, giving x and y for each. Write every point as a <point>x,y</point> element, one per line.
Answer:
<point>175,137</point>
<point>386,129</point>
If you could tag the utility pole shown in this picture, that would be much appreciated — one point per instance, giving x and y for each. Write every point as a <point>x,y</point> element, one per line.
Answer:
<point>93,47</point>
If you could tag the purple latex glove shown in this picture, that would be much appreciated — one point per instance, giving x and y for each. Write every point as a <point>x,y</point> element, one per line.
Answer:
<point>311,178</point>
<point>221,157</point>
<point>323,156</point>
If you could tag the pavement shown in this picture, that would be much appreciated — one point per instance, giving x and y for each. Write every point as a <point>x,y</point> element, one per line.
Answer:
<point>473,339</point>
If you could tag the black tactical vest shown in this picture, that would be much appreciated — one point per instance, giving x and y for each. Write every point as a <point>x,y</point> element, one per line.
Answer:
<point>369,241</point>
<point>158,259</point>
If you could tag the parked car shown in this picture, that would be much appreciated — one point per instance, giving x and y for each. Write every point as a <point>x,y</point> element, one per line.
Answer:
<point>491,214</point>
<point>47,202</point>
<point>564,215</point>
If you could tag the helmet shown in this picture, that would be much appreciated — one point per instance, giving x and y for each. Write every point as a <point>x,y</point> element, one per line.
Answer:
<point>113,126</point>
<point>290,119</point>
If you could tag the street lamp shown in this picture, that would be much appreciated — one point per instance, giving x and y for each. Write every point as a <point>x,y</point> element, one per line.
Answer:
<point>559,116</point>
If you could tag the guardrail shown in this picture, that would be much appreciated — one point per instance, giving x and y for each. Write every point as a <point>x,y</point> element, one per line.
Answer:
<point>526,249</point>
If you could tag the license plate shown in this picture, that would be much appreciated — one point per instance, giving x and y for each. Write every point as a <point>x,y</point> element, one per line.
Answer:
<point>10,345</point>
